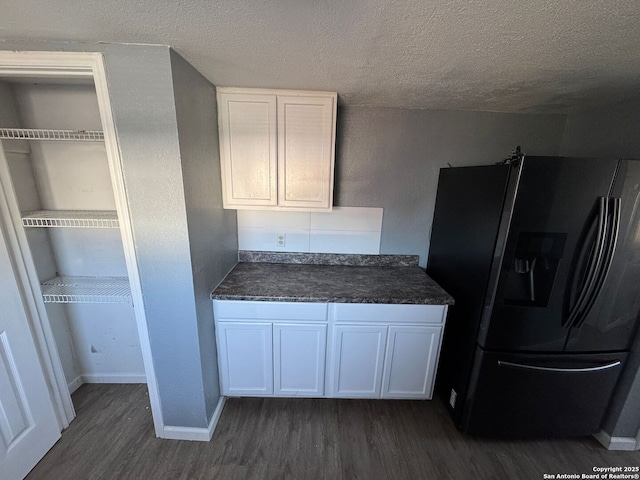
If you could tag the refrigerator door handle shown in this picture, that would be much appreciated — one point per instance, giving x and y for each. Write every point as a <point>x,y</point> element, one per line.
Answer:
<point>556,369</point>
<point>594,263</point>
<point>612,242</point>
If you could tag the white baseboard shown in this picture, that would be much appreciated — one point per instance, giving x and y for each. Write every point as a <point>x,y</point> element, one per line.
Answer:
<point>75,384</point>
<point>108,378</point>
<point>194,433</point>
<point>616,443</point>
<point>114,378</point>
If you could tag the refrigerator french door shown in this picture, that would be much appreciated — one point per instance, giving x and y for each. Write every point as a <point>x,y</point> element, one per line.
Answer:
<point>539,255</point>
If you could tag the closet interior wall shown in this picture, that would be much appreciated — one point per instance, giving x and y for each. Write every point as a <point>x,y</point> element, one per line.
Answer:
<point>97,342</point>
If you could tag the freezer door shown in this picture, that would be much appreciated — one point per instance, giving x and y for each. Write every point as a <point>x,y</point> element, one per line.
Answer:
<point>550,246</point>
<point>540,395</point>
<point>613,309</point>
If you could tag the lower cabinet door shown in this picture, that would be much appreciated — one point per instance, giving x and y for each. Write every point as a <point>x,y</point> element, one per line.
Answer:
<point>357,360</point>
<point>410,361</point>
<point>299,359</point>
<point>245,357</point>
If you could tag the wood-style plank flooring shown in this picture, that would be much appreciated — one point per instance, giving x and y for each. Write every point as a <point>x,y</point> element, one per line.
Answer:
<point>300,439</point>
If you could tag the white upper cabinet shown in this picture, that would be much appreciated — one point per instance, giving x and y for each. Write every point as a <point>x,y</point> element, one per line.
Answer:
<point>277,148</point>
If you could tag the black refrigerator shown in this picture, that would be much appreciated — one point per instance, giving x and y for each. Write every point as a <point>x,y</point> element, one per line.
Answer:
<point>542,256</point>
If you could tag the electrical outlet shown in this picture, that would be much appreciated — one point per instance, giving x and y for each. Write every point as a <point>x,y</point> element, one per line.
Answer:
<point>282,240</point>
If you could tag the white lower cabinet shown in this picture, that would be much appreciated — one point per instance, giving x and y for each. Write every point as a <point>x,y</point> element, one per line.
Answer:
<point>357,360</point>
<point>271,348</point>
<point>336,350</point>
<point>372,361</point>
<point>410,362</point>
<point>265,358</point>
<point>245,358</point>
<point>299,359</point>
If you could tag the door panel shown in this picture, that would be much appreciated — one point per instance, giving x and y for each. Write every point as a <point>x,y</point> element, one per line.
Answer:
<point>410,361</point>
<point>14,419</point>
<point>552,220</point>
<point>612,321</point>
<point>358,356</point>
<point>305,151</point>
<point>249,150</point>
<point>299,359</point>
<point>539,395</point>
<point>246,366</point>
<point>28,425</point>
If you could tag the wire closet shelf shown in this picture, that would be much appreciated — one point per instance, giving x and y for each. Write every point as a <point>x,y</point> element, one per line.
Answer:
<point>48,134</point>
<point>71,219</point>
<point>76,289</point>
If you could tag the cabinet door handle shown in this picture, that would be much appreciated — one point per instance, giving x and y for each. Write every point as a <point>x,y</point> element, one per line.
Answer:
<point>555,369</point>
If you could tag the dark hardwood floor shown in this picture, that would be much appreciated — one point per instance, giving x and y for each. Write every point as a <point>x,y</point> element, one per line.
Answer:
<point>112,438</point>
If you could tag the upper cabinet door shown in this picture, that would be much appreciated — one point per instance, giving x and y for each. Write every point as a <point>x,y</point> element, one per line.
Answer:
<point>306,151</point>
<point>247,126</point>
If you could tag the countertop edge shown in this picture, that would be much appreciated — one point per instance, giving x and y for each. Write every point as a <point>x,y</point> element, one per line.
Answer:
<point>377,300</point>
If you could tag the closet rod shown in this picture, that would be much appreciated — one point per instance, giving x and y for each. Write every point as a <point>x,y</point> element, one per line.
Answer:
<point>48,134</point>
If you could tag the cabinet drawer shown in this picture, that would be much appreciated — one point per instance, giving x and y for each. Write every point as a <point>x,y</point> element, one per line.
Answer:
<point>387,313</point>
<point>246,310</point>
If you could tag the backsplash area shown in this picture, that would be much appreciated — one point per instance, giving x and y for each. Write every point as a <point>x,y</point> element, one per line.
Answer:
<point>343,230</point>
<point>344,259</point>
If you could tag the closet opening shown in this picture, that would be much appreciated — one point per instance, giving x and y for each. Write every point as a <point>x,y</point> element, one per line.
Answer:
<point>65,195</point>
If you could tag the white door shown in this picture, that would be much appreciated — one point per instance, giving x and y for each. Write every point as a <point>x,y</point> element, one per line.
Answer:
<point>246,359</point>
<point>247,125</point>
<point>410,361</point>
<point>28,425</point>
<point>357,359</point>
<point>298,359</point>
<point>305,151</point>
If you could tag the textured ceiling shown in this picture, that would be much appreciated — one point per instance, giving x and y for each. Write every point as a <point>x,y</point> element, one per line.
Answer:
<point>493,55</point>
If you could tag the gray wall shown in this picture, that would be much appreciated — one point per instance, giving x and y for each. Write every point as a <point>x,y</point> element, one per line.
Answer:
<point>213,232</point>
<point>9,110</point>
<point>141,87</point>
<point>608,131</point>
<point>612,132</point>
<point>391,158</point>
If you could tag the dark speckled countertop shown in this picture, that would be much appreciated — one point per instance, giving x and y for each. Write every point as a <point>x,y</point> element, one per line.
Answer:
<point>288,282</point>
